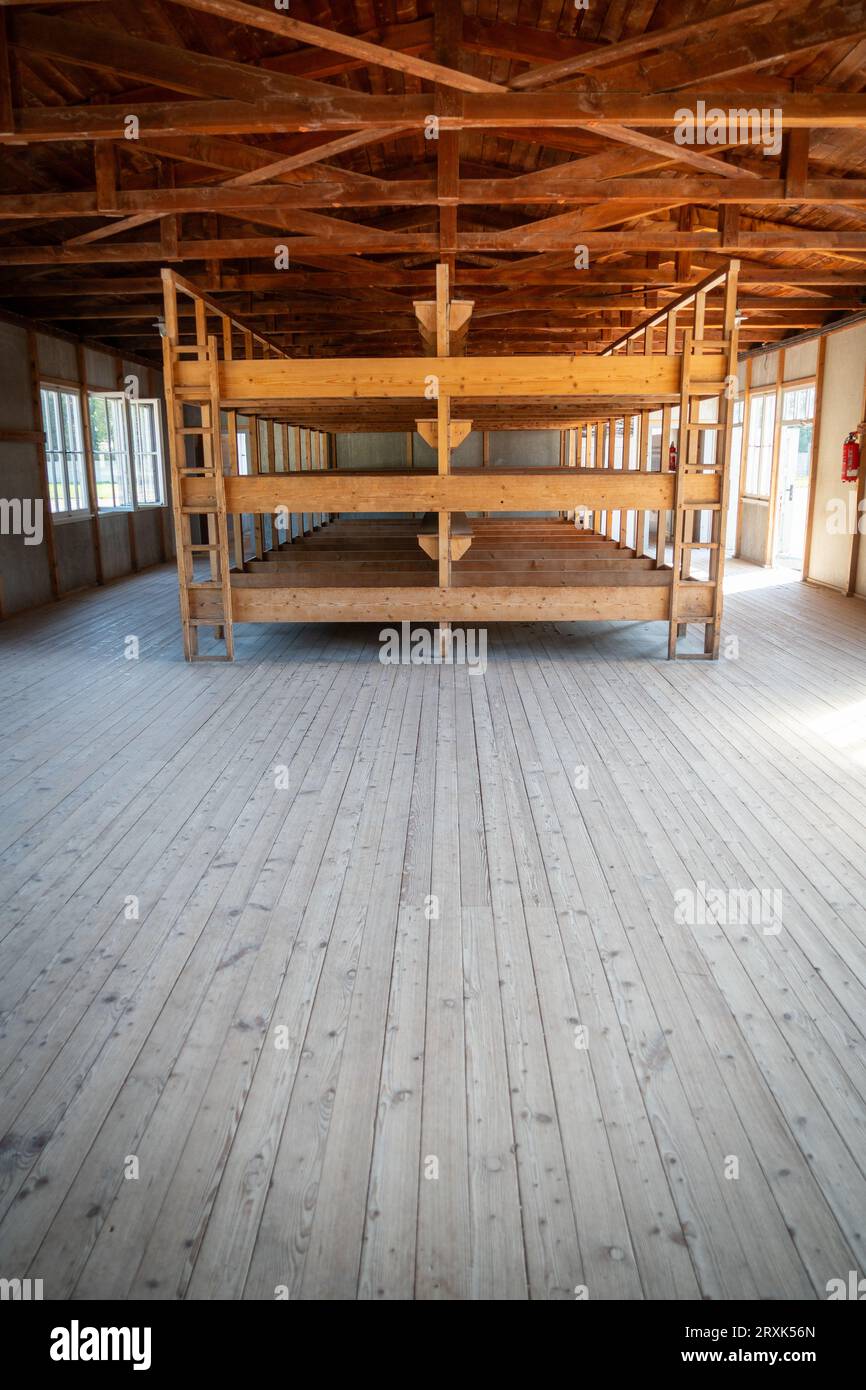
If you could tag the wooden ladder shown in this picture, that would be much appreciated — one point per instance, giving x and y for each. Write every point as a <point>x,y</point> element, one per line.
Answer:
<point>209,466</point>
<point>689,465</point>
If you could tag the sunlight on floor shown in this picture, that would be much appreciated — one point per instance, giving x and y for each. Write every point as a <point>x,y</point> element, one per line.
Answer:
<point>742,578</point>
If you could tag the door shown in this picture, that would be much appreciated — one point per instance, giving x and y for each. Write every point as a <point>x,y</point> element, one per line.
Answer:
<point>795,457</point>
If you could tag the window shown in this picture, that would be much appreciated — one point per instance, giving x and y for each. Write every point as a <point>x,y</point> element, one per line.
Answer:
<point>759,455</point>
<point>110,439</point>
<point>64,450</point>
<point>798,404</point>
<point>147,453</point>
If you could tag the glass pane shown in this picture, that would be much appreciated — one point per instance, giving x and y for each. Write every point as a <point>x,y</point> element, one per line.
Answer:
<point>98,424</point>
<point>71,421</point>
<point>51,421</point>
<point>56,491</point>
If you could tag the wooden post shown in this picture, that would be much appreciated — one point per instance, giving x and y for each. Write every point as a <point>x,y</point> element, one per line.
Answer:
<point>443,446</point>
<point>177,461</point>
<point>232,432</point>
<point>679,493</point>
<point>718,531</point>
<point>485,457</point>
<point>773,507</point>
<point>665,441</point>
<point>39,428</point>
<point>813,462</point>
<point>87,438</point>
<point>854,556</point>
<point>130,515</point>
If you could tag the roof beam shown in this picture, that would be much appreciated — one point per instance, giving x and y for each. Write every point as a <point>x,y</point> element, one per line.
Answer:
<point>327,236</point>
<point>333,108</point>
<point>338,187</point>
<point>650,41</point>
<point>331,39</point>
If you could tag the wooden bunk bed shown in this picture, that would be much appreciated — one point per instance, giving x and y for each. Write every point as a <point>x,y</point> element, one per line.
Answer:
<point>448,555</point>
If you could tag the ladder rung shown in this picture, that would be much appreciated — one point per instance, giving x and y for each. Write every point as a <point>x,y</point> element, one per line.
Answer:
<point>700,545</point>
<point>207,509</point>
<point>200,546</point>
<point>206,585</point>
<point>195,429</point>
<point>218,620</point>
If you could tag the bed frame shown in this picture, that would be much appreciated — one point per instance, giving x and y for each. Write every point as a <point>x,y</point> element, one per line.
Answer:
<point>450,557</point>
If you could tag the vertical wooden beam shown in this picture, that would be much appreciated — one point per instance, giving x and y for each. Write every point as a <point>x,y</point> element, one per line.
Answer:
<point>105,171</point>
<point>690,438</point>
<point>302,437</point>
<point>237,520</point>
<point>665,441</point>
<point>169,227</point>
<point>177,461</point>
<point>7,105</point>
<point>795,161</point>
<point>683,259</point>
<point>447,37</point>
<point>744,454</point>
<point>443,442</point>
<point>718,530</point>
<point>679,493</point>
<point>485,456</point>
<point>130,515</point>
<point>95,538</point>
<point>271,467</point>
<point>225,631</point>
<point>813,462</point>
<point>39,427</point>
<point>773,507</point>
<point>854,556</point>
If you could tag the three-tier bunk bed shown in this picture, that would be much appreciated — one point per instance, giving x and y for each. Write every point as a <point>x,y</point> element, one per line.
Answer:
<point>272,532</point>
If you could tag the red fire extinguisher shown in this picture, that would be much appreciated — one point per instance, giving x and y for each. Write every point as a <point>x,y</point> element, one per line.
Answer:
<point>851,458</point>
<point>672,457</point>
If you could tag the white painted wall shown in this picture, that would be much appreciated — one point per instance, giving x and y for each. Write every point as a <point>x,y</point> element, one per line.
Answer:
<point>841,411</point>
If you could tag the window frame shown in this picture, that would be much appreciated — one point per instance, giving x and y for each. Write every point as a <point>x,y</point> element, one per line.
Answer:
<point>748,494</point>
<point>94,394</point>
<point>158,453</point>
<point>60,388</point>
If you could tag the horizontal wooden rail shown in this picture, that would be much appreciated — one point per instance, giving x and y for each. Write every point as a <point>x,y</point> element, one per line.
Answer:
<point>559,490</point>
<point>494,603</point>
<point>251,383</point>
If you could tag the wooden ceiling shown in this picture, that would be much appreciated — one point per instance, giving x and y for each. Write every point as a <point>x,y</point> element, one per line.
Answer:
<point>260,127</point>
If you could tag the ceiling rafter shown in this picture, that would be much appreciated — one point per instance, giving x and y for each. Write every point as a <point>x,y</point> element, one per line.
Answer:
<point>244,142</point>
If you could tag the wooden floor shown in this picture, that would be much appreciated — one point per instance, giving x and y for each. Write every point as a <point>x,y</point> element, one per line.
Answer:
<point>381,977</point>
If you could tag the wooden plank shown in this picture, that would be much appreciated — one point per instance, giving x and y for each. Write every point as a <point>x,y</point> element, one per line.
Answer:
<point>329,379</point>
<point>695,774</point>
<point>644,602</point>
<point>461,491</point>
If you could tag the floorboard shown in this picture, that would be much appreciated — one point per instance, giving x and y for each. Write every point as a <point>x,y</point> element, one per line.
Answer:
<point>323,978</point>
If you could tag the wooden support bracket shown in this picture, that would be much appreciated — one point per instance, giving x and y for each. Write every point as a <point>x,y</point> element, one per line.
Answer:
<point>458,430</point>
